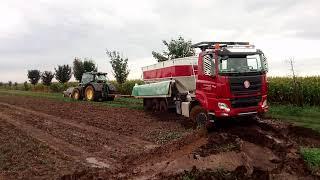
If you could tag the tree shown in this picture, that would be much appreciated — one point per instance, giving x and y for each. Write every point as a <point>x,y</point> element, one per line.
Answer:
<point>176,48</point>
<point>63,73</point>
<point>15,85</point>
<point>297,89</point>
<point>26,86</point>
<point>80,67</point>
<point>47,77</point>
<point>34,76</point>
<point>119,66</point>
<point>89,65</point>
<point>10,84</point>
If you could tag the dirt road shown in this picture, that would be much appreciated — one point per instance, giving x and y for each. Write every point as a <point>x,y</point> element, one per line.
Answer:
<point>47,139</point>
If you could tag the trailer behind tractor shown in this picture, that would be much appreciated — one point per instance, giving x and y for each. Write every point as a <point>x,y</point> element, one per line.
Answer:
<point>227,79</point>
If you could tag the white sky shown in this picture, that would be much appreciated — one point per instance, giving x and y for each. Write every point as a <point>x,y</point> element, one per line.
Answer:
<point>44,33</point>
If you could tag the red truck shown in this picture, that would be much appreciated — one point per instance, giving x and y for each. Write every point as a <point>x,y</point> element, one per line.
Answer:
<point>227,79</point>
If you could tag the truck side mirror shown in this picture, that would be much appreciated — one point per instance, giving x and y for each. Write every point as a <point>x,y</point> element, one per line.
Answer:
<point>264,63</point>
<point>208,65</point>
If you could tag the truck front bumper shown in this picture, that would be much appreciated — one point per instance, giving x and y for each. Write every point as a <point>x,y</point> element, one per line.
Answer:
<point>228,111</point>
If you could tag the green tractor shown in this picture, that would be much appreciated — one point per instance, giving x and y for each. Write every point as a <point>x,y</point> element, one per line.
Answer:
<point>94,86</point>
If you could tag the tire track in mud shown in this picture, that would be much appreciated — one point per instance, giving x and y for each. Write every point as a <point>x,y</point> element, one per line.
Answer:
<point>83,126</point>
<point>96,159</point>
<point>258,149</point>
<point>54,143</point>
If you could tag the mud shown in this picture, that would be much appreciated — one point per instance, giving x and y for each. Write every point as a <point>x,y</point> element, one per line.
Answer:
<point>46,139</point>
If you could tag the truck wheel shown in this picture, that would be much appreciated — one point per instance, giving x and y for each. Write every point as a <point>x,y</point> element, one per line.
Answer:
<point>147,104</point>
<point>163,107</point>
<point>155,105</point>
<point>89,93</point>
<point>76,94</point>
<point>199,116</point>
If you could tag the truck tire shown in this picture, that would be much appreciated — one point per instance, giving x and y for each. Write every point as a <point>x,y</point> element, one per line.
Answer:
<point>76,94</point>
<point>89,93</point>
<point>163,106</point>
<point>155,105</point>
<point>199,116</point>
<point>147,104</point>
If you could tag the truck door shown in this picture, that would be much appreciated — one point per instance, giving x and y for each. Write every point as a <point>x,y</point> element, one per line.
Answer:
<point>206,83</point>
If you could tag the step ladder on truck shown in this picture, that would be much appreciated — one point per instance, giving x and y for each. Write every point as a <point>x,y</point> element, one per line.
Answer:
<point>227,79</point>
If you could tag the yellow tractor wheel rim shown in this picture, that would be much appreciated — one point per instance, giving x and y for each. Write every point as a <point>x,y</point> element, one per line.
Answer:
<point>89,94</point>
<point>76,95</point>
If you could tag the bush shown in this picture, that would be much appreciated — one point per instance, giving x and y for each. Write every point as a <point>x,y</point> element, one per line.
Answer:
<point>26,86</point>
<point>58,87</point>
<point>126,87</point>
<point>283,91</point>
<point>40,88</point>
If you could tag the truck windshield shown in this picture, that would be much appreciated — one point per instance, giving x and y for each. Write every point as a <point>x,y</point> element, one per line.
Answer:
<point>241,64</point>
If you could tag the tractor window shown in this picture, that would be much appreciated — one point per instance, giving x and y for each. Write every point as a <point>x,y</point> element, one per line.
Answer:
<point>86,78</point>
<point>101,77</point>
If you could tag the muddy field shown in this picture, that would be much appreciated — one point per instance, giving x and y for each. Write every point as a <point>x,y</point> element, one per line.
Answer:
<point>47,139</point>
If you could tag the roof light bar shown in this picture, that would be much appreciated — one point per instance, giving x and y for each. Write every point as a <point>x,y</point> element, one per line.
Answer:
<point>211,45</point>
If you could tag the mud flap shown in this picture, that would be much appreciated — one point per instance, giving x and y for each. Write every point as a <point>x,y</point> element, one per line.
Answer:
<point>185,109</point>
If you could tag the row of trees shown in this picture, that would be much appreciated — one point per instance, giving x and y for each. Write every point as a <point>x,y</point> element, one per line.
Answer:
<point>176,48</point>
<point>62,74</point>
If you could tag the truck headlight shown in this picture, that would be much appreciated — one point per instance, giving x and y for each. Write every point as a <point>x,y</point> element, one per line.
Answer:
<point>223,106</point>
<point>264,104</point>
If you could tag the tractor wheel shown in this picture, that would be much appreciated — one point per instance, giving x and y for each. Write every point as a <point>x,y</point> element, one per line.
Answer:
<point>163,107</point>
<point>76,94</point>
<point>155,105</point>
<point>111,98</point>
<point>147,104</point>
<point>89,93</point>
<point>199,116</point>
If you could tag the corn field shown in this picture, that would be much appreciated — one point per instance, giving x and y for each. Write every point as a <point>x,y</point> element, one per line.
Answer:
<point>304,90</point>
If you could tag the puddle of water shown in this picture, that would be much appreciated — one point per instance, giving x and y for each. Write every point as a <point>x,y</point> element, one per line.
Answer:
<point>95,163</point>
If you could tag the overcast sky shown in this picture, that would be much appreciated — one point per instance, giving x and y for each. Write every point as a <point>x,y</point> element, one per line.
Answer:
<point>42,34</point>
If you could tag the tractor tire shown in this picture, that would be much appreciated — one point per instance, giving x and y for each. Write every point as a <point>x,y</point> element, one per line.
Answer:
<point>147,104</point>
<point>76,94</point>
<point>111,98</point>
<point>199,117</point>
<point>90,94</point>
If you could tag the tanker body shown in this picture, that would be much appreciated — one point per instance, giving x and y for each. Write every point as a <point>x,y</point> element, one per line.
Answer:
<point>227,79</point>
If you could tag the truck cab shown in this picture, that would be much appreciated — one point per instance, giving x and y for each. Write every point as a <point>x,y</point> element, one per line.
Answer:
<point>227,79</point>
<point>231,79</point>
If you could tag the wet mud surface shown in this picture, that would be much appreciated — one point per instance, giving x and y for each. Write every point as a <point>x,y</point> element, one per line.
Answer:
<point>47,139</point>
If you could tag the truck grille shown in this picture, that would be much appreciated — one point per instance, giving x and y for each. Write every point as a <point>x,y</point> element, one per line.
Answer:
<point>237,84</point>
<point>245,102</point>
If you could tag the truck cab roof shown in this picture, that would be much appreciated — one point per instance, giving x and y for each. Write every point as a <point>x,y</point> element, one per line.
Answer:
<point>228,48</point>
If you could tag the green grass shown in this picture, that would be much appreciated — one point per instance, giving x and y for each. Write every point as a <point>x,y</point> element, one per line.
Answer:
<point>311,157</point>
<point>307,116</point>
<point>130,103</point>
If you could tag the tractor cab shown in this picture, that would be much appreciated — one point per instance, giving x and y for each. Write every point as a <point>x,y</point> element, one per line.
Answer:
<point>93,77</point>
